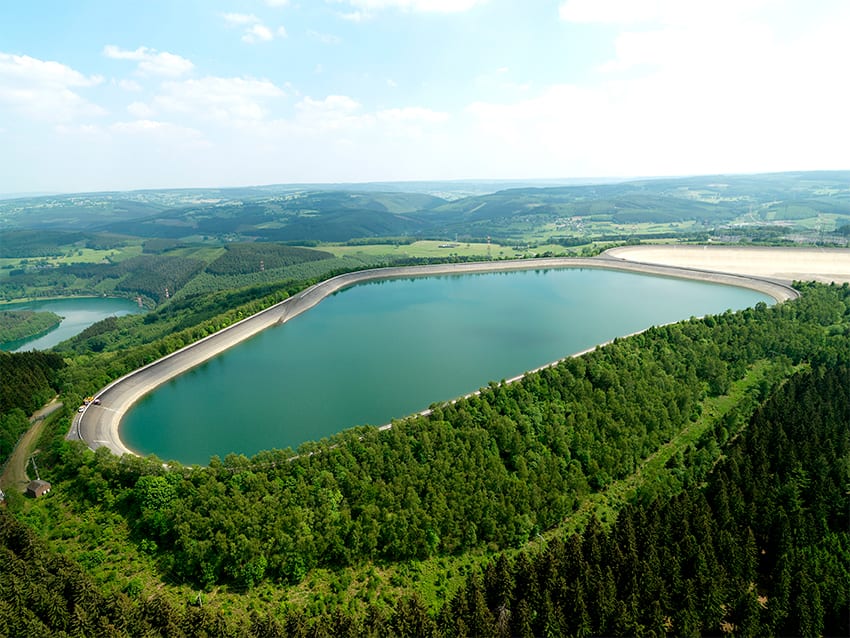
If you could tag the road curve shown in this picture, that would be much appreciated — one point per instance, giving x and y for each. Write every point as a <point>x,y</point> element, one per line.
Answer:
<point>98,424</point>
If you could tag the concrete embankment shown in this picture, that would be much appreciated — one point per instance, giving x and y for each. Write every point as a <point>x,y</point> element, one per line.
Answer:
<point>98,424</point>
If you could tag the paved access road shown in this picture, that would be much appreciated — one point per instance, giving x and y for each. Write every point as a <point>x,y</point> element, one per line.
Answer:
<point>98,425</point>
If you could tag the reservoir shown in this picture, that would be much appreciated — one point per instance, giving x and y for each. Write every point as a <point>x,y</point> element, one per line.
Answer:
<point>77,313</point>
<point>384,350</point>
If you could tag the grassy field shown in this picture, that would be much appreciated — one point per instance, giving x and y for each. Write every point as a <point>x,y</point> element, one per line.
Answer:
<point>75,256</point>
<point>433,248</point>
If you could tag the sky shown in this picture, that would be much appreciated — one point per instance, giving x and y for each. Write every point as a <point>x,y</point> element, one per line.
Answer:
<point>130,94</point>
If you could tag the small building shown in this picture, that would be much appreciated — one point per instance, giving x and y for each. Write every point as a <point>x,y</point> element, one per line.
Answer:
<point>38,488</point>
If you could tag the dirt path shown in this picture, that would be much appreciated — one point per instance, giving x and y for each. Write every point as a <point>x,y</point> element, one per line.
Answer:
<point>15,474</point>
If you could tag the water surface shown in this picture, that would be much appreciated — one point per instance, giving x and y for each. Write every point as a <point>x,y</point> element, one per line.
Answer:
<point>78,313</point>
<point>384,350</point>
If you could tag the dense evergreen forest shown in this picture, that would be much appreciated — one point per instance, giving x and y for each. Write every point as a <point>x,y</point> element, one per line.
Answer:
<point>29,380</point>
<point>762,548</point>
<point>239,259</point>
<point>756,546</point>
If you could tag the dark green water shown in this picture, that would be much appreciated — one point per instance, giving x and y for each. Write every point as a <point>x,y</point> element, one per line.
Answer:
<point>77,313</point>
<point>384,350</point>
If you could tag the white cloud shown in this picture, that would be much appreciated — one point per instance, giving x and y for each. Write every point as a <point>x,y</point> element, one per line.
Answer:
<point>412,114</point>
<point>324,38</point>
<point>129,85</point>
<point>20,67</point>
<point>140,110</point>
<point>181,136</point>
<point>410,122</point>
<point>684,100</point>
<point>693,87</point>
<point>614,11</point>
<point>257,33</point>
<point>234,100</point>
<point>353,16</point>
<point>345,119</point>
<point>45,90</point>
<point>239,19</point>
<point>253,29</point>
<point>334,112</point>
<point>655,11</point>
<point>151,61</point>
<point>425,6</point>
<point>87,130</point>
<point>277,3</point>
<point>138,126</point>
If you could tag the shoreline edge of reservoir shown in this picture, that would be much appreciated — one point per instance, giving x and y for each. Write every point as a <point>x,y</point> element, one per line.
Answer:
<point>98,425</point>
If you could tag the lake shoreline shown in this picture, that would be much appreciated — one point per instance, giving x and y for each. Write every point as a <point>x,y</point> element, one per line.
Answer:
<point>99,425</point>
<point>30,319</point>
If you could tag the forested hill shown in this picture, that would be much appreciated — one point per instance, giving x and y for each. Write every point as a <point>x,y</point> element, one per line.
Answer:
<point>758,546</point>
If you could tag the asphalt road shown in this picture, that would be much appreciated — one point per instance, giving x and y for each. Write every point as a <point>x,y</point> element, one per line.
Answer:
<point>98,425</point>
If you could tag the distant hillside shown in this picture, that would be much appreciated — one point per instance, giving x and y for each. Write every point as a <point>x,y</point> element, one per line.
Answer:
<point>339,213</point>
<point>321,216</point>
<point>710,199</point>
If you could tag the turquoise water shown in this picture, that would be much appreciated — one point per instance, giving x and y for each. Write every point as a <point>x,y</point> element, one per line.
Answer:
<point>78,313</point>
<point>384,350</point>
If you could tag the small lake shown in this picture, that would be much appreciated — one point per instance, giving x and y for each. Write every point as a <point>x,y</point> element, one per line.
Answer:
<point>384,350</point>
<point>78,314</point>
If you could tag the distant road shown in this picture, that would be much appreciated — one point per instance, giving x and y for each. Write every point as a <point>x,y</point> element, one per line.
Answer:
<point>98,425</point>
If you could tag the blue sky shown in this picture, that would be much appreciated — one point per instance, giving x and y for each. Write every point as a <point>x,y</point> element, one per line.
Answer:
<point>114,94</point>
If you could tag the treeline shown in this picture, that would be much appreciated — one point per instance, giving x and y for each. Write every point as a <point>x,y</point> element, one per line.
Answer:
<point>29,380</point>
<point>20,324</point>
<point>492,470</point>
<point>206,282</point>
<point>37,243</point>
<point>240,259</point>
